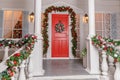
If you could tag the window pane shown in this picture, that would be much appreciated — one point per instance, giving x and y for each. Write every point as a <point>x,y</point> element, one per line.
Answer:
<point>7,15</point>
<point>98,26</point>
<point>12,24</point>
<point>7,29</point>
<point>102,24</point>
<point>17,19</point>
<point>98,16</point>
<point>17,15</point>
<point>17,34</point>
<point>18,25</point>
<point>99,32</point>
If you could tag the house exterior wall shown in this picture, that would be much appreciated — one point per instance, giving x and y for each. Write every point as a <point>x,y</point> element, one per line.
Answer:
<point>28,5</point>
<point>14,4</point>
<point>107,5</point>
<point>100,5</point>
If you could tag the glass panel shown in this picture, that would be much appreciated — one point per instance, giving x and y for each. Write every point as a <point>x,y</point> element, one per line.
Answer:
<point>106,17</point>
<point>17,20</point>
<point>102,24</point>
<point>99,33</point>
<point>7,15</point>
<point>113,27</point>
<point>98,26</point>
<point>17,34</point>
<point>17,15</point>
<point>12,24</point>
<point>18,25</point>
<point>7,29</point>
<point>98,17</point>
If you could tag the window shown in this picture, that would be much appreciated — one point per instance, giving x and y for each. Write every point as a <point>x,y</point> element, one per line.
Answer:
<point>102,24</point>
<point>12,24</point>
<point>108,25</point>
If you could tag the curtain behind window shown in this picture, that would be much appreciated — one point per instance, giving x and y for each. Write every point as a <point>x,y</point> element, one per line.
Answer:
<point>113,27</point>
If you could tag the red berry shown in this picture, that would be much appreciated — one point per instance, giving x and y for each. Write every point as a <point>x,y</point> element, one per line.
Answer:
<point>17,54</point>
<point>115,60</point>
<point>11,73</point>
<point>15,62</point>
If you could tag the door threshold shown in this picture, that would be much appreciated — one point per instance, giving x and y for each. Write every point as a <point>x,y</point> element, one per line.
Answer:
<point>57,58</point>
<point>61,58</point>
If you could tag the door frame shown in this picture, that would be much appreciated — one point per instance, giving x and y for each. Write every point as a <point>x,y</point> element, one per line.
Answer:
<point>49,56</point>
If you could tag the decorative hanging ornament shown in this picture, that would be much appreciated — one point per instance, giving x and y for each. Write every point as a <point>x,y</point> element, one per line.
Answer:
<point>59,27</point>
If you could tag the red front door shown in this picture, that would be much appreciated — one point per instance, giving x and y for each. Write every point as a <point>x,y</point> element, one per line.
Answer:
<point>60,37</point>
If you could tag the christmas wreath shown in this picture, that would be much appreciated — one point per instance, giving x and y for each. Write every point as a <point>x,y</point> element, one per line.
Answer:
<point>59,27</point>
<point>73,26</point>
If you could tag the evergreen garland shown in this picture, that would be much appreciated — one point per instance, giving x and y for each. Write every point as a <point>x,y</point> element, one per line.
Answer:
<point>15,60</point>
<point>108,45</point>
<point>73,25</point>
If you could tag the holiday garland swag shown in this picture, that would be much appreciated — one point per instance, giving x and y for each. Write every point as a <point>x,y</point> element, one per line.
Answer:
<point>108,45</point>
<point>15,60</point>
<point>73,25</point>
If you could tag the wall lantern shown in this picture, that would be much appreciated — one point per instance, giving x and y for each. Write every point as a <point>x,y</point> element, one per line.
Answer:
<point>85,18</point>
<point>31,17</point>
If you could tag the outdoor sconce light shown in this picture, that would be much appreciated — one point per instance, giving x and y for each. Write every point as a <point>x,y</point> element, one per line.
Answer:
<point>85,18</point>
<point>31,17</point>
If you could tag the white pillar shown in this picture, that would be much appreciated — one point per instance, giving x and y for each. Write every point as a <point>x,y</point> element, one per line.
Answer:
<point>91,15</point>
<point>38,52</point>
<point>92,56</point>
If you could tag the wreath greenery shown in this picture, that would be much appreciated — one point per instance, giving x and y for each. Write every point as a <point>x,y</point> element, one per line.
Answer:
<point>59,27</point>
<point>73,25</point>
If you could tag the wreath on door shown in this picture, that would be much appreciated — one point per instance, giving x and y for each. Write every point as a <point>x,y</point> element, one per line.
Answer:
<point>59,27</point>
<point>73,27</point>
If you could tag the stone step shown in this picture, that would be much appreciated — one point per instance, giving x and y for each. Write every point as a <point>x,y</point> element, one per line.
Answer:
<point>77,79</point>
<point>73,77</point>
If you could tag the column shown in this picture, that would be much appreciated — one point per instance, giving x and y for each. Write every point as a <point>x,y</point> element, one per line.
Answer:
<point>91,14</point>
<point>92,52</point>
<point>38,52</point>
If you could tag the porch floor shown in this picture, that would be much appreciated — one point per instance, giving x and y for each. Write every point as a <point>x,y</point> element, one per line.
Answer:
<point>65,69</point>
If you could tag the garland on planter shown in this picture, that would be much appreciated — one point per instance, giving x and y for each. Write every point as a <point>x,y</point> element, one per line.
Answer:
<point>16,59</point>
<point>108,45</point>
<point>73,25</point>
